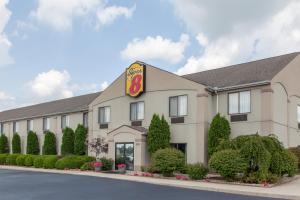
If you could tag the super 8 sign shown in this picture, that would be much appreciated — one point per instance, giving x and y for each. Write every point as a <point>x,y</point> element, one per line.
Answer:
<point>135,80</point>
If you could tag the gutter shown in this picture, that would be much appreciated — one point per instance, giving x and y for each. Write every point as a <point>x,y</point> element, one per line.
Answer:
<point>215,90</point>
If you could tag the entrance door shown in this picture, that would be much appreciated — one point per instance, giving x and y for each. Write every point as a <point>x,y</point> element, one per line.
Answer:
<point>125,155</point>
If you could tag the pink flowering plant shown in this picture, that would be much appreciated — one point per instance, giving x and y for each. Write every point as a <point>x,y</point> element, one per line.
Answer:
<point>97,164</point>
<point>121,166</point>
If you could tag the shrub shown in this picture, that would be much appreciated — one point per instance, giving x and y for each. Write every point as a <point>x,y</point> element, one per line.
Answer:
<point>80,140</point>
<point>226,144</point>
<point>197,171</point>
<point>158,135</point>
<point>67,146</point>
<point>107,163</point>
<point>38,161</point>
<point>290,161</point>
<point>21,160</point>
<point>33,147</point>
<point>257,156</point>
<point>16,143</point>
<point>277,162</point>
<point>88,166</point>
<point>72,162</point>
<point>49,147</point>
<point>29,160</point>
<point>167,161</point>
<point>219,130</point>
<point>228,163</point>
<point>3,144</point>
<point>3,159</point>
<point>296,151</point>
<point>49,161</point>
<point>11,159</point>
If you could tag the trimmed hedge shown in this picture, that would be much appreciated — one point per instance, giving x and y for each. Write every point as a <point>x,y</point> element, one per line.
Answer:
<point>80,140</point>
<point>33,147</point>
<point>4,144</point>
<point>49,161</point>
<point>88,166</point>
<point>3,159</point>
<point>197,171</point>
<point>228,163</point>
<point>167,161</point>
<point>16,143</point>
<point>296,151</point>
<point>21,160</point>
<point>72,162</point>
<point>49,147</point>
<point>67,146</point>
<point>29,160</point>
<point>11,159</point>
<point>38,161</point>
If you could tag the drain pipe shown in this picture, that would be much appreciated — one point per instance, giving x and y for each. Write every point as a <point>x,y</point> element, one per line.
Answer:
<point>216,92</point>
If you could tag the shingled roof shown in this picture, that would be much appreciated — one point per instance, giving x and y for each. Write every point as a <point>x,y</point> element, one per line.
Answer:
<point>69,105</point>
<point>240,74</point>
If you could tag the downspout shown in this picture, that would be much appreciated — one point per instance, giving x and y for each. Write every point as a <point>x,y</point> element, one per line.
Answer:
<point>216,92</point>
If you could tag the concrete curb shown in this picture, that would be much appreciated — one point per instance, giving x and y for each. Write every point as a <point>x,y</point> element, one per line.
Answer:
<point>215,187</point>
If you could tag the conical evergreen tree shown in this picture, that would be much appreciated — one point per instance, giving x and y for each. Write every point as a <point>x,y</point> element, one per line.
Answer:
<point>154,134</point>
<point>4,144</point>
<point>49,147</point>
<point>80,140</point>
<point>166,134</point>
<point>16,143</point>
<point>33,146</point>
<point>67,146</point>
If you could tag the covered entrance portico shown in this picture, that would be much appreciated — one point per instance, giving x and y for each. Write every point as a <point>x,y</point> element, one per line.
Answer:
<point>127,145</point>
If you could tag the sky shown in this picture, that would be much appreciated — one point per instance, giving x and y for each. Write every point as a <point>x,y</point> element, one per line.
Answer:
<point>53,49</point>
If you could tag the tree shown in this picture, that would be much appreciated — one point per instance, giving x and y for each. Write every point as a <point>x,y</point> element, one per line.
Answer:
<point>80,140</point>
<point>98,146</point>
<point>33,147</point>
<point>3,144</point>
<point>67,146</point>
<point>49,147</point>
<point>16,143</point>
<point>158,134</point>
<point>219,130</point>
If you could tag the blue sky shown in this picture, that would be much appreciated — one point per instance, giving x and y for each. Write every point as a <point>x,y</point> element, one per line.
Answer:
<point>51,49</point>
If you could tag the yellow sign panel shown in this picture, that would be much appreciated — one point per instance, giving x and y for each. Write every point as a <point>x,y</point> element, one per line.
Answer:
<point>135,80</point>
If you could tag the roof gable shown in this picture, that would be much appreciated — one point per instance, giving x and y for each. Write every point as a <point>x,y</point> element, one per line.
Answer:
<point>240,74</point>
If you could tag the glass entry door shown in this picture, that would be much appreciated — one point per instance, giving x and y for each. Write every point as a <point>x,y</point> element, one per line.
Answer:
<point>125,155</point>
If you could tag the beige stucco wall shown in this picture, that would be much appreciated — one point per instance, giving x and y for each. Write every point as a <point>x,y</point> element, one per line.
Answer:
<point>160,85</point>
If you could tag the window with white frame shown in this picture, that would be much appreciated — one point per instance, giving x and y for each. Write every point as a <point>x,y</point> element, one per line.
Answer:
<point>239,102</point>
<point>1,128</point>
<point>85,119</point>
<point>178,106</point>
<point>104,115</point>
<point>15,127</point>
<point>30,125</point>
<point>46,123</point>
<point>137,111</point>
<point>65,121</point>
<point>298,116</point>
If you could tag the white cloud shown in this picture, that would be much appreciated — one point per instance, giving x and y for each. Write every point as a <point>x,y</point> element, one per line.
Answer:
<point>60,14</point>
<point>5,97</point>
<point>156,48</point>
<point>22,27</point>
<point>5,44</point>
<point>107,15</point>
<point>104,85</point>
<point>52,83</point>
<point>279,34</point>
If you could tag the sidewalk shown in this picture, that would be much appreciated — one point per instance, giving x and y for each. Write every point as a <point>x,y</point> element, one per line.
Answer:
<point>289,190</point>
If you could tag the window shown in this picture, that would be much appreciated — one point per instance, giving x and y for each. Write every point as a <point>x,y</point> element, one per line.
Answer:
<point>15,127</point>
<point>104,115</point>
<point>65,121</point>
<point>46,123</point>
<point>180,146</point>
<point>298,116</point>
<point>1,128</point>
<point>239,102</point>
<point>137,111</point>
<point>85,119</point>
<point>29,125</point>
<point>178,106</point>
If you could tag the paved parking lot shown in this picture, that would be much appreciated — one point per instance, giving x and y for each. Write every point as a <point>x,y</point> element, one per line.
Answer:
<point>16,185</point>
